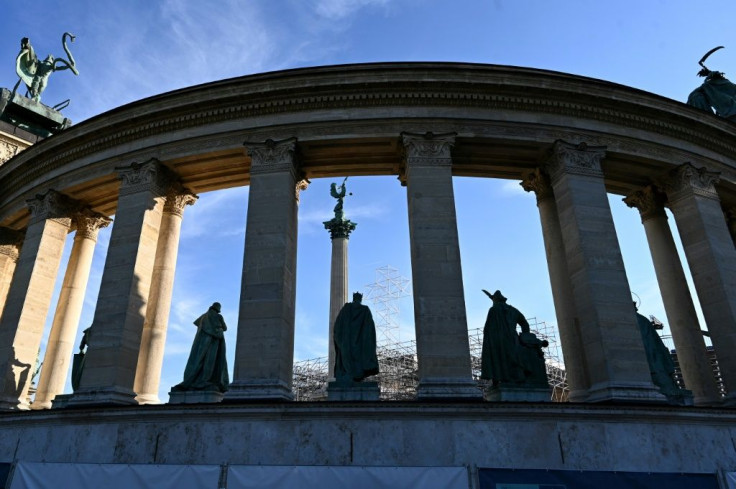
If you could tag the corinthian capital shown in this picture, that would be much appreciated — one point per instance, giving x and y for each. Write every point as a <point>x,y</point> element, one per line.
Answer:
<point>149,176</point>
<point>10,242</point>
<point>538,182</point>
<point>52,205</point>
<point>428,149</point>
<point>687,180</point>
<point>649,201</point>
<point>272,156</point>
<point>575,159</point>
<point>89,223</point>
<point>177,198</point>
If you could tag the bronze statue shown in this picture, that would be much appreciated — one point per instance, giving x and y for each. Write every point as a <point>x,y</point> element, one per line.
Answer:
<point>355,342</point>
<point>661,365</point>
<point>78,360</point>
<point>339,193</point>
<point>206,368</point>
<point>716,92</point>
<point>34,73</point>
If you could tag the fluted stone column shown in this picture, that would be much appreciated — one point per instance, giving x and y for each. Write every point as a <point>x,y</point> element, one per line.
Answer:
<point>115,338</point>
<point>153,339</point>
<point>683,321</point>
<point>569,329</point>
<point>60,346</point>
<point>712,259</point>
<point>264,353</point>
<point>29,297</point>
<point>614,353</point>
<point>441,326</point>
<point>10,243</point>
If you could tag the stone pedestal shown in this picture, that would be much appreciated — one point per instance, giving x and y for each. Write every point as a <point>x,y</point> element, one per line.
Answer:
<point>355,391</point>
<point>264,352</point>
<point>512,393</point>
<point>616,363</point>
<point>29,297</point>
<point>441,326</point>
<point>195,397</point>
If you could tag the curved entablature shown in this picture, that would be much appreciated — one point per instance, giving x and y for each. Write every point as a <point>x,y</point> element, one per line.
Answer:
<point>348,120</point>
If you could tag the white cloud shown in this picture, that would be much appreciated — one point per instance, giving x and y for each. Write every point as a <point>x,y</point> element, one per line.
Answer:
<point>340,9</point>
<point>511,188</point>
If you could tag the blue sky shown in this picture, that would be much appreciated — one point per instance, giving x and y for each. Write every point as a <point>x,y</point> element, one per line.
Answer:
<point>127,50</point>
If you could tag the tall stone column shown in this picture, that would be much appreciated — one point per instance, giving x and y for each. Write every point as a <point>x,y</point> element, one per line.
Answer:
<point>10,243</point>
<point>616,362</point>
<point>264,353</point>
<point>60,346</point>
<point>439,304</point>
<point>712,259</point>
<point>678,304</point>
<point>340,229</point>
<point>29,297</point>
<point>731,219</point>
<point>153,339</point>
<point>115,338</point>
<point>567,319</point>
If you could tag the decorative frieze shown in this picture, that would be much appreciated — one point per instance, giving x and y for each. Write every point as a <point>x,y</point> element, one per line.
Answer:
<point>7,150</point>
<point>177,198</point>
<point>272,156</point>
<point>89,223</point>
<point>52,205</point>
<point>575,159</point>
<point>538,182</point>
<point>428,149</point>
<point>687,180</point>
<point>149,176</point>
<point>648,201</point>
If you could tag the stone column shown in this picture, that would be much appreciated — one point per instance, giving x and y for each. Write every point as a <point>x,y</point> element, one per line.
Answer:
<point>340,230</point>
<point>153,340</point>
<point>712,259</point>
<point>567,318</point>
<point>264,353</point>
<point>683,321</point>
<point>115,338</point>
<point>10,242</point>
<point>441,326</point>
<point>60,347</point>
<point>731,219</point>
<point>30,294</point>
<point>616,362</point>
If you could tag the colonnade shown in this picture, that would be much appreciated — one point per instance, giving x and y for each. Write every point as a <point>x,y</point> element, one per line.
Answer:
<point>601,343</point>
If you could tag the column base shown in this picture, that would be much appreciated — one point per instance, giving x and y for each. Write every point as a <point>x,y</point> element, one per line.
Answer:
<point>452,388</point>
<point>579,395</point>
<point>110,396</point>
<point>39,405</point>
<point>249,390</point>
<point>633,392</point>
<point>148,399</point>
<point>353,391</point>
<point>729,401</point>
<point>195,397</point>
<point>13,404</point>
<point>61,401</point>
<point>518,393</point>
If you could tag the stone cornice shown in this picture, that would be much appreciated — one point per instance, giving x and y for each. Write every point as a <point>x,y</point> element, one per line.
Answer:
<point>538,182</point>
<point>575,159</point>
<point>649,201</point>
<point>688,180</point>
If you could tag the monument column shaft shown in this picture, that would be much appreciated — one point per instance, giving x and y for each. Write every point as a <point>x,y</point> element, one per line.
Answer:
<point>115,338</point>
<point>338,292</point>
<point>8,261</point>
<point>264,353</point>
<point>60,345</point>
<point>569,330</point>
<point>712,259</point>
<point>29,297</point>
<point>153,338</point>
<point>616,362</point>
<point>439,304</point>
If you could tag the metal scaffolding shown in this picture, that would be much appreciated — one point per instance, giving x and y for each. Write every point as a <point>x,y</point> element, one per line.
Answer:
<point>384,295</point>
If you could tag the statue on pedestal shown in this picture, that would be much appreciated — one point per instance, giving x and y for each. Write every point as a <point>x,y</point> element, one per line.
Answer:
<point>355,342</point>
<point>661,365</point>
<point>716,92</point>
<point>338,226</point>
<point>34,73</point>
<point>78,360</point>
<point>206,368</point>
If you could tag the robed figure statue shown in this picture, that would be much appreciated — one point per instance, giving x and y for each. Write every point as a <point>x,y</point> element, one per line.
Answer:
<point>661,365</point>
<point>206,368</point>
<point>355,342</point>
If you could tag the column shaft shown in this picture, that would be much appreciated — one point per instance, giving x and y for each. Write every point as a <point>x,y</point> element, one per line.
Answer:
<point>153,339</point>
<point>10,242</point>
<point>683,321</point>
<point>439,304</point>
<point>712,259</point>
<point>615,357</point>
<point>264,353</point>
<point>60,346</point>
<point>568,327</point>
<point>112,356</point>
<point>29,296</point>
<point>338,292</point>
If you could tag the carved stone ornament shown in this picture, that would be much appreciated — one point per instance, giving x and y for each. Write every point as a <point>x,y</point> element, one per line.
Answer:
<point>272,156</point>
<point>7,150</point>
<point>538,182</point>
<point>687,180</point>
<point>149,176</point>
<point>301,185</point>
<point>428,149</point>
<point>649,201</point>
<point>11,242</point>
<point>340,228</point>
<point>89,223</point>
<point>177,198</point>
<point>575,159</point>
<point>52,205</point>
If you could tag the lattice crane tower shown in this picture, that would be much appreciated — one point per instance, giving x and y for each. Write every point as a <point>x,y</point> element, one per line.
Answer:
<point>385,294</point>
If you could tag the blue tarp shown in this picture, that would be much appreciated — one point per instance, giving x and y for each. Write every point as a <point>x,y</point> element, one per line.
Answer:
<point>571,479</point>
